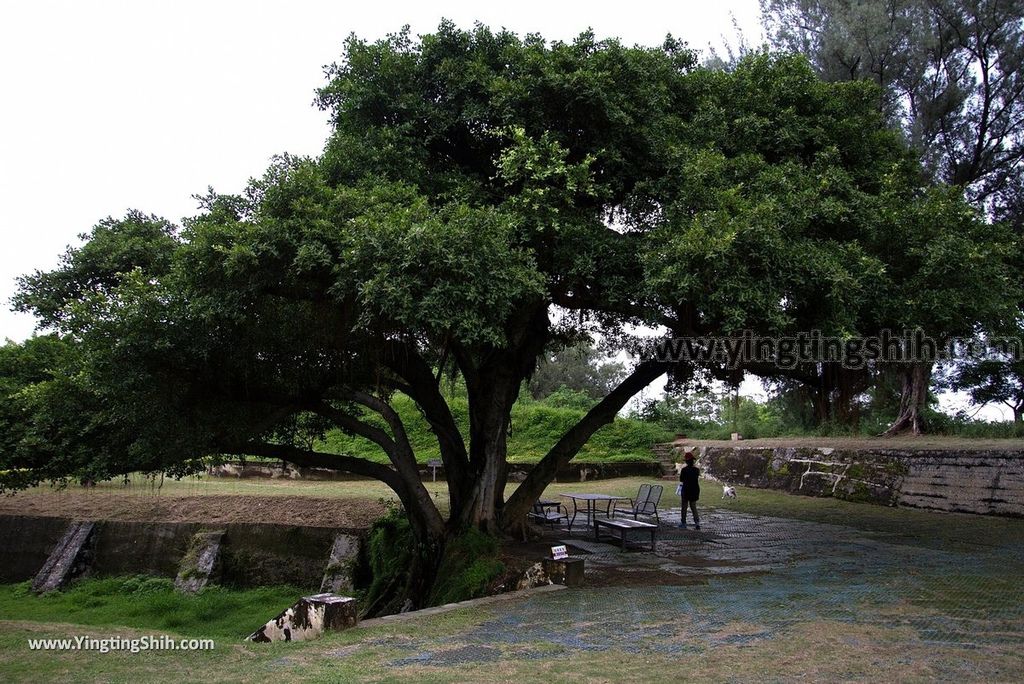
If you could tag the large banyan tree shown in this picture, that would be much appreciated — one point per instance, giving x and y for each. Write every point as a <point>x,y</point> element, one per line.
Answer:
<point>483,199</point>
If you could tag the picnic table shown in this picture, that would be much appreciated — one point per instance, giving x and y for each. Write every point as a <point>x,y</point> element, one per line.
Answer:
<point>590,508</point>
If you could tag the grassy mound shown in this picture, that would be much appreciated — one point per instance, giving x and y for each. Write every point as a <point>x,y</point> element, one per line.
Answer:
<point>536,426</point>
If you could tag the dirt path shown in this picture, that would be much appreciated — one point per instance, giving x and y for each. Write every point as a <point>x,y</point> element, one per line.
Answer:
<point>210,508</point>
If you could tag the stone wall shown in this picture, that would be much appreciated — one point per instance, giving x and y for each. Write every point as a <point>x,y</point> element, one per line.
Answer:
<point>252,554</point>
<point>984,482</point>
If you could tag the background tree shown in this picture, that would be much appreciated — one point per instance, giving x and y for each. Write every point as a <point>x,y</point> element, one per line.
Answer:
<point>580,368</point>
<point>994,381</point>
<point>950,78</point>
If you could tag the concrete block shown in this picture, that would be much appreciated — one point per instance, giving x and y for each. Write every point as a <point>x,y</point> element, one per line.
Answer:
<point>310,617</point>
<point>567,571</point>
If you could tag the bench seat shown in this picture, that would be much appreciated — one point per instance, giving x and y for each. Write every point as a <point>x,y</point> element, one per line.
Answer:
<point>623,528</point>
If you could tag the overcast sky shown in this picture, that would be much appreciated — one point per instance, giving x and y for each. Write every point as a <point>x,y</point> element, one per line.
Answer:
<point>115,105</point>
<point>108,106</point>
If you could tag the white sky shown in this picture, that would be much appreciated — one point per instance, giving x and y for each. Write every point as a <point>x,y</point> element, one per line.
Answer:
<point>109,105</point>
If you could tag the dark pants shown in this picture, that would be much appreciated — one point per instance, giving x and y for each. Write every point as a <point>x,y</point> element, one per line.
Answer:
<point>693,507</point>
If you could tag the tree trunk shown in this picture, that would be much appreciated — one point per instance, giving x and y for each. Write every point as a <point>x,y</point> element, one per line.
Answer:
<point>850,383</point>
<point>913,399</point>
<point>821,401</point>
<point>491,396</point>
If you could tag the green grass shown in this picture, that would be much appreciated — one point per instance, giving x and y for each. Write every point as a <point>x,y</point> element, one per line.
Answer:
<point>141,486</point>
<point>535,429</point>
<point>956,531</point>
<point>150,603</point>
<point>851,652</point>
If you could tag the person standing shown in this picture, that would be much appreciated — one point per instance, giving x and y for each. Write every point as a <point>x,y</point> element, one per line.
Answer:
<point>688,480</point>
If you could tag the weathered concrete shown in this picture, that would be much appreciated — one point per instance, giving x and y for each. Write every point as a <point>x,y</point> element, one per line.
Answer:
<point>533,576</point>
<point>26,543</point>
<point>140,548</point>
<point>984,482</point>
<point>252,554</point>
<point>198,565</point>
<point>261,555</point>
<point>309,618</point>
<point>69,559</point>
<point>669,455</point>
<point>341,565</point>
<point>567,571</point>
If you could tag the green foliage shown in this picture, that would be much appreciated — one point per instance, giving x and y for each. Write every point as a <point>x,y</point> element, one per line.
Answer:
<point>576,369</point>
<point>113,250</point>
<point>536,426</point>
<point>948,71</point>
<point>993,380</point>
<point>566,398</point>
<point>961,425</point>
<point>692,413</point>
<point>389,554</point>
<point>707,415</point>
<point>150,603</point>
<point>469,567</point>
<point>474,183</point>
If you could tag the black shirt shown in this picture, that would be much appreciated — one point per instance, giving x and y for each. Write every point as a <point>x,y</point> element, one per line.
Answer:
<point>691,485</point>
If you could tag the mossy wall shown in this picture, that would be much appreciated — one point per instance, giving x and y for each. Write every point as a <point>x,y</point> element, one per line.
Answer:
<point>252,554</point>
<point>983,482</point>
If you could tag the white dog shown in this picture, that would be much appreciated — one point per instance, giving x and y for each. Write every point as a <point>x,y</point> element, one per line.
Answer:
<point>728,491</point>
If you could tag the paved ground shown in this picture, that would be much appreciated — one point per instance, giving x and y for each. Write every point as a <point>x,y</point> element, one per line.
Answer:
<point>875,602</point>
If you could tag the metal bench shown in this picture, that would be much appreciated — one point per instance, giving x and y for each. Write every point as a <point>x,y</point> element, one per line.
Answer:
<point>645,503</point>
<point>550,512</point>
<point>623,528</point>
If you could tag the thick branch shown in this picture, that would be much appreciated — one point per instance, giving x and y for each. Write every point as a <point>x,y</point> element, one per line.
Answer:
<point>399,436</point>
<point>357,427</point>
<point>317,459</point>
<point>422,388</point>
<point>401,453</point>
<point>572,441</point>
<point>423,514</point>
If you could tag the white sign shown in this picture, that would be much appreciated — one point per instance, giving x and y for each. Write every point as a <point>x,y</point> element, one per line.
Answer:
<point>559,552</point>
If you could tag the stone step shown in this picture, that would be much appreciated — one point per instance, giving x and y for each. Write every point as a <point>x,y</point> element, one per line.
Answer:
<point>69,558</point>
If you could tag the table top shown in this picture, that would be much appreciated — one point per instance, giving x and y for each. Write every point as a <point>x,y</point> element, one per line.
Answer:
<point>593,497</point>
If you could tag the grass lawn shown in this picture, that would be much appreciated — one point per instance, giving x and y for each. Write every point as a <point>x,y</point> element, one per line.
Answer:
<point>149,603</point>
